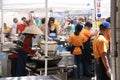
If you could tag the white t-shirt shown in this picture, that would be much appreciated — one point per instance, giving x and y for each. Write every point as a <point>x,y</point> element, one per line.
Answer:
<point>14,29</point>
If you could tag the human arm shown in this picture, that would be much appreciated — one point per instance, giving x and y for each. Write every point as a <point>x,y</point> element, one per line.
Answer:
<point>106,64</point>
<point>27,48</point>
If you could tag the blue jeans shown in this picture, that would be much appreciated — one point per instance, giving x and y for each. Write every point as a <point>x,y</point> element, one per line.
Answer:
<point>78,72</point>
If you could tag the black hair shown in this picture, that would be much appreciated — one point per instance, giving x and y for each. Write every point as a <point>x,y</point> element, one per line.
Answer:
<point>78,28</point>
<point>71,21</point>
<point>49,22</point>
<point>88,24</point>
<point>14,19</point>
<point>23,18</point>
<point>108,19</point>
<point>28,35</point>
<point>43,20</point>
<point>52,19</point>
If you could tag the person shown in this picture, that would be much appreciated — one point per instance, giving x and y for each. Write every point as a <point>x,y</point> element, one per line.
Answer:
<point>29,23</point>
<point>87,56</point>
<point>89,19</point>
<point>21,26</point>
<point>14,27</point>
<point>42,26</point>
<point>108,38</point>
<point>67,27</point>
<point>76,40</point>
<point>81,20</point>
<point>72,27</point>
<point>24,47</point>
<point>100,48</point>
<point>75,20</point>
<point>52,28</point>
<point>6,31</point>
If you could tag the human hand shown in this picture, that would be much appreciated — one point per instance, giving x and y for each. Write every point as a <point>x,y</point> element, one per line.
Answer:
<point>38,55</point>
<point>51,39</point>
<point>109,72</point>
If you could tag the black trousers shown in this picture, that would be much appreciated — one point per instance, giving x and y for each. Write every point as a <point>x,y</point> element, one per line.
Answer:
<point>13,67</point>
<point>87,59</point>
<point>101,71</point>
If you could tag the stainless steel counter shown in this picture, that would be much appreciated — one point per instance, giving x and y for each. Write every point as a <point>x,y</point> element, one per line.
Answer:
<point>50,77</point>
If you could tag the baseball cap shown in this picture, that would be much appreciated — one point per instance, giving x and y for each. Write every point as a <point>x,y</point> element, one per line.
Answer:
<point>105,24</point>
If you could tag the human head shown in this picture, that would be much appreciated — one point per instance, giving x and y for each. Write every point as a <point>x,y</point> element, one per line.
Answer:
<point>81,19</point>
<point>5,25</point>
<point>78,28</point>
<point>108,19</point>
<point>43,20</point>
<point>23,18</point>
<point>88,25</point>
<point>15,20</point>
<point>51,21</point>
<point>104,25</point>
<point>89,19</point>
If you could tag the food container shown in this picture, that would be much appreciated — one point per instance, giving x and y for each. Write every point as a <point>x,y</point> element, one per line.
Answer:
<point>52,45</point>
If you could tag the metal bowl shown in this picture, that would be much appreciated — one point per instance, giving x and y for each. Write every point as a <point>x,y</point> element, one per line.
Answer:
<point>51,62</point>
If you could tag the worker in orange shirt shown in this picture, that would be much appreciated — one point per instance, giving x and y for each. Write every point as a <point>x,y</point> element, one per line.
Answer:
<point>87,57</point>
<point>100,48</point>
<point>76,40</point>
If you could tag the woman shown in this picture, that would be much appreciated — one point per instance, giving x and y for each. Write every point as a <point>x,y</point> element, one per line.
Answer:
<point>52,28</point>
<point>76,40</point>
<point>23,48</point>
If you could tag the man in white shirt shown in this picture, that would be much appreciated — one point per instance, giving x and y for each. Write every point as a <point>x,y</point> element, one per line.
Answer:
<point>14,27</point>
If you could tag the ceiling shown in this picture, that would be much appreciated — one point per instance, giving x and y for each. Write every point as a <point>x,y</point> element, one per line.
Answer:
<point>27,4</point>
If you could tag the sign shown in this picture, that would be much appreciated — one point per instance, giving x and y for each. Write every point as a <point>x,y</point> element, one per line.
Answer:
<point>99,15</point>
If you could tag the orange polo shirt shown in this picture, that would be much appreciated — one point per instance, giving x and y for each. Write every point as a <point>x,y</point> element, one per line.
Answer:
<point>76,41</point>
<point>100,45</point>
<point>87,34</point>
<point>108,37</point>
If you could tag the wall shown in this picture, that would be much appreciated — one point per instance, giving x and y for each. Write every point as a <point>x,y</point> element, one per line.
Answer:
<point>118,39</point>
<point>115,38</point>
